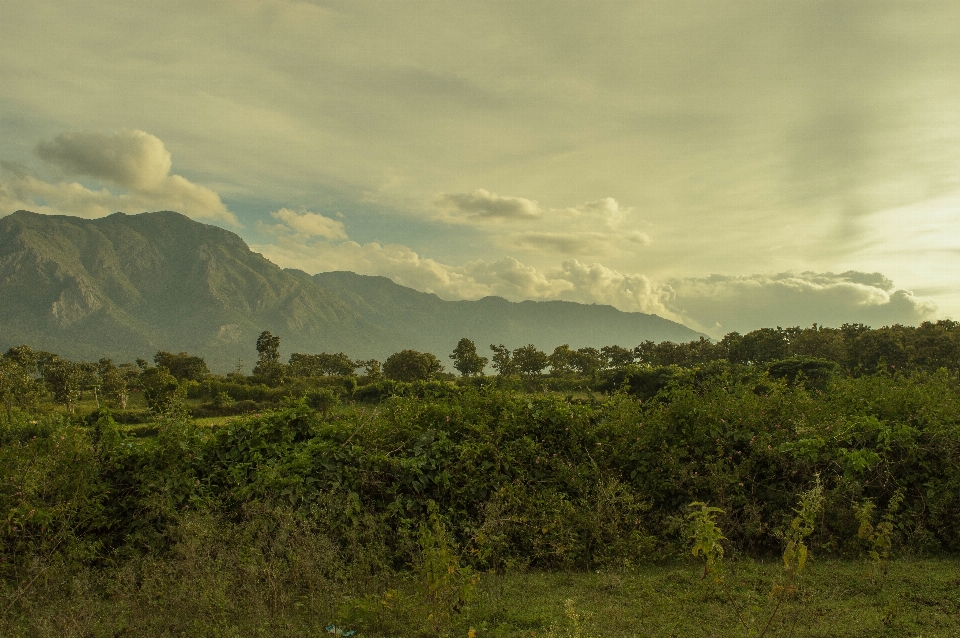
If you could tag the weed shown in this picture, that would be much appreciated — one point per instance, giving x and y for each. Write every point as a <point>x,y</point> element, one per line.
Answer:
<point>707,538</point>
<point>878,538</point>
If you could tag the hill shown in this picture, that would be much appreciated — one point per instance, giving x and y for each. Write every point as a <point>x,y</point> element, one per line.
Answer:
<point>125,286</point>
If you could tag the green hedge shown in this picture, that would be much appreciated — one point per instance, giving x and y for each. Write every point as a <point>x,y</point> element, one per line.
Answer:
<point>520,478</point>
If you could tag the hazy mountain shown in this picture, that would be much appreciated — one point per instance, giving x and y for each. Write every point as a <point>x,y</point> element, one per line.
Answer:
<point>125,286</point>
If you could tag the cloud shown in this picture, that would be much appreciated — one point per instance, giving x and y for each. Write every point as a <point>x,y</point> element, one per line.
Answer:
<point>399,263</point>
<point>580,243</point>
<point>607,211</point>
<point>722,304</point>
<point>716,305</point>
<point>311,224</point>
<point>591,228</point>
<point>513,280</point>
<point>482,205</point>
<point>596,283</point>
<point>133,160</point>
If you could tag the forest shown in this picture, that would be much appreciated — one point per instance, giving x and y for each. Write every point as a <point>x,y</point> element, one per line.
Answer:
<point>798,481</point>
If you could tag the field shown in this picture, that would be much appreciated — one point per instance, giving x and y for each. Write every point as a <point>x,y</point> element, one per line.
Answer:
<point>438,508</point>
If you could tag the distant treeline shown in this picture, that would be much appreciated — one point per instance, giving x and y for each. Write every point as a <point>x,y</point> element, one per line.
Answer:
<point>27,375</point>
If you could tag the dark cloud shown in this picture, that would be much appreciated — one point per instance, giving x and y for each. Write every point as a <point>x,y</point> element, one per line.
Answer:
<point>484,205</point>
<point>131,159</point>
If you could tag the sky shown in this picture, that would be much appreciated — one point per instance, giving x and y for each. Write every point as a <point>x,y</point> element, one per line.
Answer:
<point>729,165</point>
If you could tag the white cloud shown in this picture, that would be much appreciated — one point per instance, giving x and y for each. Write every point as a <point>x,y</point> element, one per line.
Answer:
<point>482,205</point>
<point>399,263</point>
<point>590,228</point>
<point>311,224</point>
<point>595,283</point>
<point>716,304</point>
<point>133,160</point>
<point>742,303</point>
<point>513,280</point>
<point>607,211</point>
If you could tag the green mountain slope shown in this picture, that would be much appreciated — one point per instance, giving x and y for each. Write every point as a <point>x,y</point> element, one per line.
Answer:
<point>126,286</point>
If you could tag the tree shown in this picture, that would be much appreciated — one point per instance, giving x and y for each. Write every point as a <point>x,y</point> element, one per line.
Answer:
<point>183,366</point>
<point>587,361</point>
<point>530,361</point>
<point>323,364</point>
<point>161,390</point>
<point>616,356</point>
<point>268,365</point>
<point>18,388</point>
<point>410,365</point>
<point>64,379</point>
<point>113,384</point>
<point>758,346</point>
<point>502,360</point>
<point>821,343</point>
<point>322,400</point>
<point>561,360</point>
<point>372,369</point>
<point>20,384</point>
<point>466,360</point>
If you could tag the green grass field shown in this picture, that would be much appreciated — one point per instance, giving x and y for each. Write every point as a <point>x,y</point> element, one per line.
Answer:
<point>918,598</point>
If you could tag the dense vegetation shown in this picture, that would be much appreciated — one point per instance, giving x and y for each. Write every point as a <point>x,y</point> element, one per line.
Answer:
<point>320,508</point>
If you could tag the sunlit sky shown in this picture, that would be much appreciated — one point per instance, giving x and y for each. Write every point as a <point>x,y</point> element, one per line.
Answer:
<point>730,165</point>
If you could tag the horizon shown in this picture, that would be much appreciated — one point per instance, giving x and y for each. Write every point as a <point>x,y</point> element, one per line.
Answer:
<point>728,167</point>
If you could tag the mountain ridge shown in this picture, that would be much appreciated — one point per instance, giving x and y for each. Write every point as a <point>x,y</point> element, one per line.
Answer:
<point>125,286</point>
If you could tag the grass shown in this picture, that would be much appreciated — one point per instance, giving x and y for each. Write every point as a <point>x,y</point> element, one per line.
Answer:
<point>920,597</point>
<point>838,598</point>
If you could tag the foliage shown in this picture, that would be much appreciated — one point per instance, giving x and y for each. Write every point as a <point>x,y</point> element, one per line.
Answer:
<point>19,388</point>
<point>502,360</point>
<point>878,538</point>
<point>161,390</point>
<point>268,365</point>
<point>529,361</point>
<point>707,538</point>
<point>183,366</point>
<point>516,478</point>
<point>322,399</point>
<point>64,379</point>
<point>410,365</point>
<point>466,360</point>
<point>323,364</point>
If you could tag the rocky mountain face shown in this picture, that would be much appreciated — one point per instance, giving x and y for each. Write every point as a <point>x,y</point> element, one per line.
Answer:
<point>125,286</point>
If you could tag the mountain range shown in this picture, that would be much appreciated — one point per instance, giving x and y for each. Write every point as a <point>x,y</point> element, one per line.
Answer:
<point>126,286</point>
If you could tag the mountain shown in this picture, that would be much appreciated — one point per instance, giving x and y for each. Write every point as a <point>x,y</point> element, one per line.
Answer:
<point>125,286</point>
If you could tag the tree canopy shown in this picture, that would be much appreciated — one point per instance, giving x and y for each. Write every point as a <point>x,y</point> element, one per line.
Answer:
<point>410,365</point>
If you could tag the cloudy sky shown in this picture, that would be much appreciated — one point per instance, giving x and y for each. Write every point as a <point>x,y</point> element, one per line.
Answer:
<point>729,164</point>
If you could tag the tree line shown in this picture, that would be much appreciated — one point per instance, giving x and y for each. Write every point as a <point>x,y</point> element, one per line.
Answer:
<point>27,375</point>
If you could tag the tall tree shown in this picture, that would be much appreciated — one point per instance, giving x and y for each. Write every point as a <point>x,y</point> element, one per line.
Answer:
<point>466,360</point>
<point>113,384</point>
<point>64,380</point>
<point>268,365</point>
<point>561,360</point>
<point>502,360</point>
<point>18,388</point>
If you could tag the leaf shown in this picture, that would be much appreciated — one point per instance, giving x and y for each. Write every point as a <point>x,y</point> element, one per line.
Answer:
<point>802,557</point>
